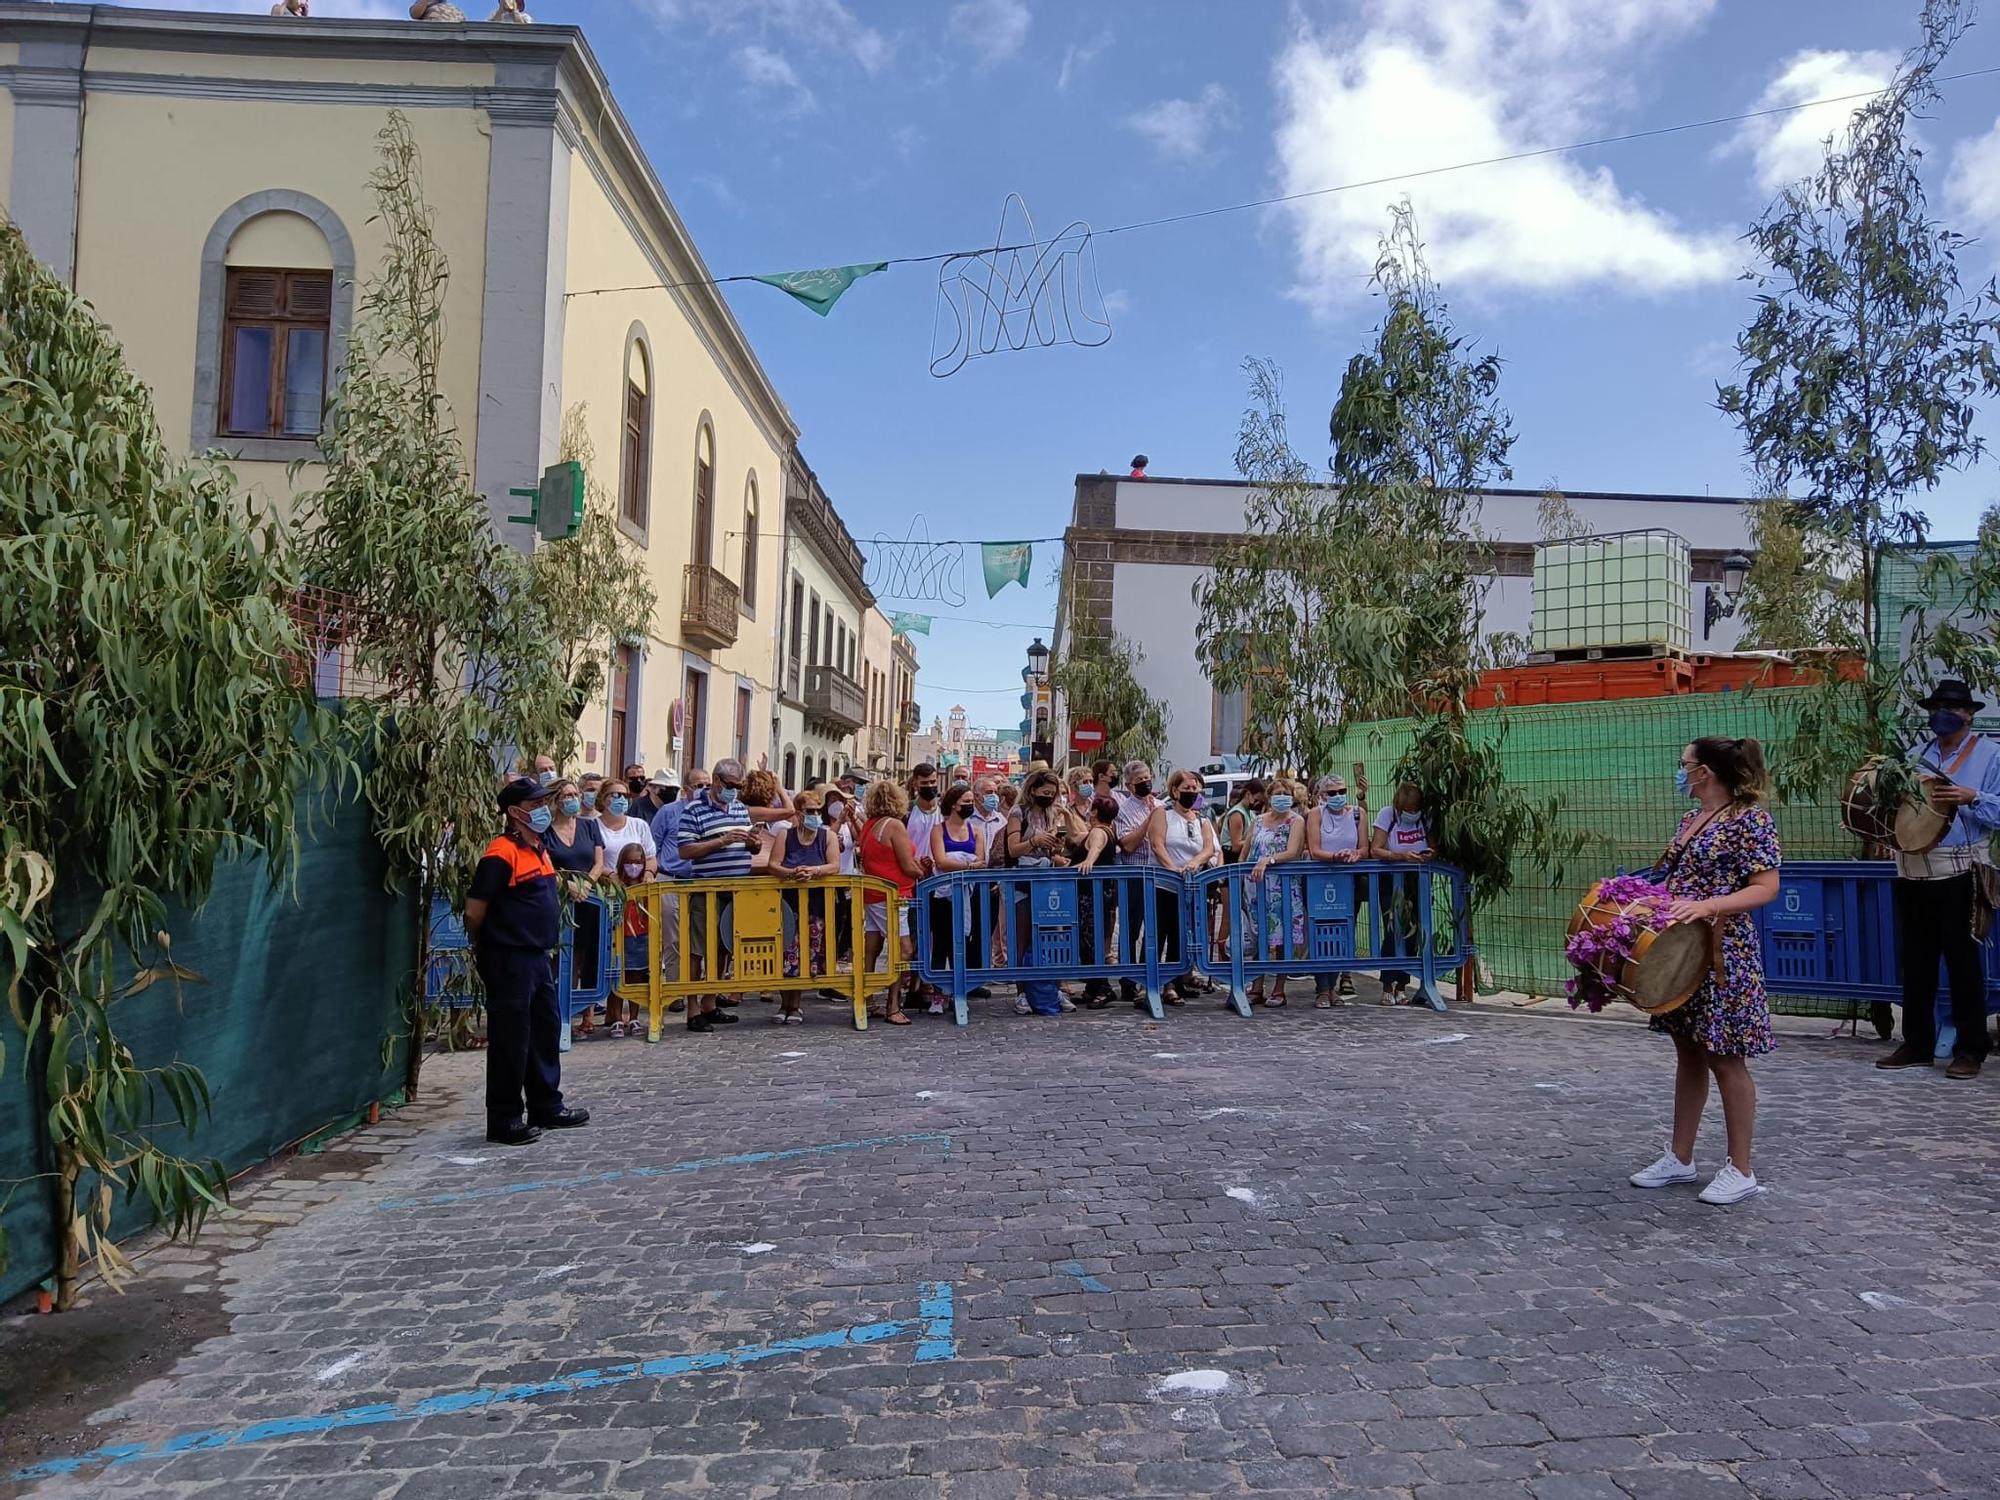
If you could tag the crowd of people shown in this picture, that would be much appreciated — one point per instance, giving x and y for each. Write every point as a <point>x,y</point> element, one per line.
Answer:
<point>728,822</point>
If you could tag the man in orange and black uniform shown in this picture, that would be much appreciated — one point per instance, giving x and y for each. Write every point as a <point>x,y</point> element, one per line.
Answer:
<point>513,917</point>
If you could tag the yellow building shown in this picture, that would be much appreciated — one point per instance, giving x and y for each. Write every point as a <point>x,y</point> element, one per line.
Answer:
<point>202,180</point>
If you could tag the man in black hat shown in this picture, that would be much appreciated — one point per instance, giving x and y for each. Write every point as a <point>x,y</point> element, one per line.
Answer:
<point>513,917</point>
<point>1935,893</point>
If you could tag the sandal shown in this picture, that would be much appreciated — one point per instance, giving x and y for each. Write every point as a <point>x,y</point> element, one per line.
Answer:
<point>1322,1002</point>
<point>1277,999</point>
<point>897,1018</point>
<point>1256,993</point>
<point>617,1030</point>
<point>792,1018</point>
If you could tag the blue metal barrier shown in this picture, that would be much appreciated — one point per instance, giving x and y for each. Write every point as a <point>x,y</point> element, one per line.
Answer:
<point>1832,932</point>
<point>1057,925</point>
<point>450,979</point>
<point>1306,919</point>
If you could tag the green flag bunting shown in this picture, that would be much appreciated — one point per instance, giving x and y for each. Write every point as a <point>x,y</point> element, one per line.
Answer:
<point>1005,563</point>
<point>819,290</point>
<point>910,624</point>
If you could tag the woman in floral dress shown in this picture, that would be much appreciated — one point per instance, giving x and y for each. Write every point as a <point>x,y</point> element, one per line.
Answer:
<point>1721,866</point>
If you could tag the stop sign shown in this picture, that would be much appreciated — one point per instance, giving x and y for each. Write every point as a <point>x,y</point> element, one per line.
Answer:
<point>1087,735</point>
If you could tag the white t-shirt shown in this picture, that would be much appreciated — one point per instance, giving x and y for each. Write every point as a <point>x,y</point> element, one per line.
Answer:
<point>636,831</point>
<point>1407,834</point>
<point>920,824</point>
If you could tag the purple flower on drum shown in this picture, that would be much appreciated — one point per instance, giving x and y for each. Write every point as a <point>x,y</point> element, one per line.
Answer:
<point>1600,953</point>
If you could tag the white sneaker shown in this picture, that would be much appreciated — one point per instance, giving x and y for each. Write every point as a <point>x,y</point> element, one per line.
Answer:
<point>1665,1172</point>
<point>1067,1003</point>
<point>1021,1006</point>
<point>1729,1186</point>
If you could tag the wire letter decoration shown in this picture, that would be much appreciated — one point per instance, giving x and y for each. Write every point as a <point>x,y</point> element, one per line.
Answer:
<point>916,568</point>
<point>1022,292</point>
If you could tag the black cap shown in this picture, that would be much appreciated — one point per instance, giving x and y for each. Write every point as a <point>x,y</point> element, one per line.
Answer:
<point>1952,693</point>
<point>522,789</point>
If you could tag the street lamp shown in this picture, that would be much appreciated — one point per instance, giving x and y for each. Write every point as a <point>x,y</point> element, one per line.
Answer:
<point>1038,662</point>
<point>1720,605</point>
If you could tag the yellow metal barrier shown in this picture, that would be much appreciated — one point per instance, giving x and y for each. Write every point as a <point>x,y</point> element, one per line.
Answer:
<point>727,937</point>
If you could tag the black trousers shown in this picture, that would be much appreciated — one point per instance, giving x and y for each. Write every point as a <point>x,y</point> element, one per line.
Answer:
<point>1131,928</point>
<point>1933,922</point>
<point>523,1031</point>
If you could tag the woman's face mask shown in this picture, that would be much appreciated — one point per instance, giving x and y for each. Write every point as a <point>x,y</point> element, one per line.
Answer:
<point>632,872</point>
<point>1336,800</point>
<point>811,822</point>
<point>1187,796</point>
<point>1281,803</point>
<point>571,806</point>
<point>619,804</point>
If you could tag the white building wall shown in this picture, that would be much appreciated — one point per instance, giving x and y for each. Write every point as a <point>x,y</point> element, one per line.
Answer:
<point>1152,604</point>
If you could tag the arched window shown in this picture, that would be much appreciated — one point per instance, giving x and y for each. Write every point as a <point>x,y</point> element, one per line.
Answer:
<point>635,449</point>
<point>749,582</point>
<point>704,493</point>
<point>791,769</point>
<point>277,296</point>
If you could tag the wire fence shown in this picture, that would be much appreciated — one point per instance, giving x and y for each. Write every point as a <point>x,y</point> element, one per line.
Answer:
<point>1612,763</point>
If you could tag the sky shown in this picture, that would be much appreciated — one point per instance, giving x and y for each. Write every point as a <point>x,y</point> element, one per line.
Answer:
<point>796,134</point>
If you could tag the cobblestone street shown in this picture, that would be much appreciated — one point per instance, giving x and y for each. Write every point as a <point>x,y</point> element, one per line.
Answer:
<point>1369,1252</point>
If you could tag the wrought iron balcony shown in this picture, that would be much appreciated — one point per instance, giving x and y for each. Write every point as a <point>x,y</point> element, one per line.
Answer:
<point>834,697</point>
<point>709,606</point>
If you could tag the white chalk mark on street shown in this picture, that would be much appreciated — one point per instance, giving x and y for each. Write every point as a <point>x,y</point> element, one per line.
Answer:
<point>761,1247</point>
<point>1195,1383</point>
<point>339,1366</point>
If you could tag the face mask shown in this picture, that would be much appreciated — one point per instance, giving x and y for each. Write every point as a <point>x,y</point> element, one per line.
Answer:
<point>1336,800</point>
<point>727,796</point>
<point>590,800</point>
<point>545,777</point>
<point>1142,789</point>
<point>990,802</point>
<point>539,820</point>
<point>1188,799</point>
<point>571,806</point>
<point>836,812</point>
<point>1681,786</point>
<point>926,794</point>
<point>1281,803</point>
<point>1045,799</point>
<point>618,806</point>
<point>812,823</point>
<point>633,872</point>
<point>1944,721</point>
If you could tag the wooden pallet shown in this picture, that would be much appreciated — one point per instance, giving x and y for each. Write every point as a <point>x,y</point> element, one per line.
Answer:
<point>1642,651</point>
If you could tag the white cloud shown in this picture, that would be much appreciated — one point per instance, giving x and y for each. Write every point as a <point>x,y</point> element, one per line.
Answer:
<point>1786,148</point>
<point>1417,87</point>
<point>1079,55</point>
<point>1180,128</point>
<point>996,29</point>
<point>1973,187</point>
<point>906,139</point>
<point>771,74</point>
<point>823,25</point>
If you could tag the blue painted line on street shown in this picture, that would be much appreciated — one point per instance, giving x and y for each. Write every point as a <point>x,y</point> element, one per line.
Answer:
<point>701,1164</point>
<point>1084,1279</point>
<point>940,1333</point>
<point>933,1324</point>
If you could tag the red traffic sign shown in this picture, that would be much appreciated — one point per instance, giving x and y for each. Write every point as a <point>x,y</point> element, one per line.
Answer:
<point>1088,734</point>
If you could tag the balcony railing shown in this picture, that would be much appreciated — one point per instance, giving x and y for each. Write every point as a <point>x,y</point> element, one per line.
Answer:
<point>834,697</point>
<point>708,607</point>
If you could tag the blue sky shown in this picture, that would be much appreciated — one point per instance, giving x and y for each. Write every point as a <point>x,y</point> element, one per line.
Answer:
<point>804,133</point>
